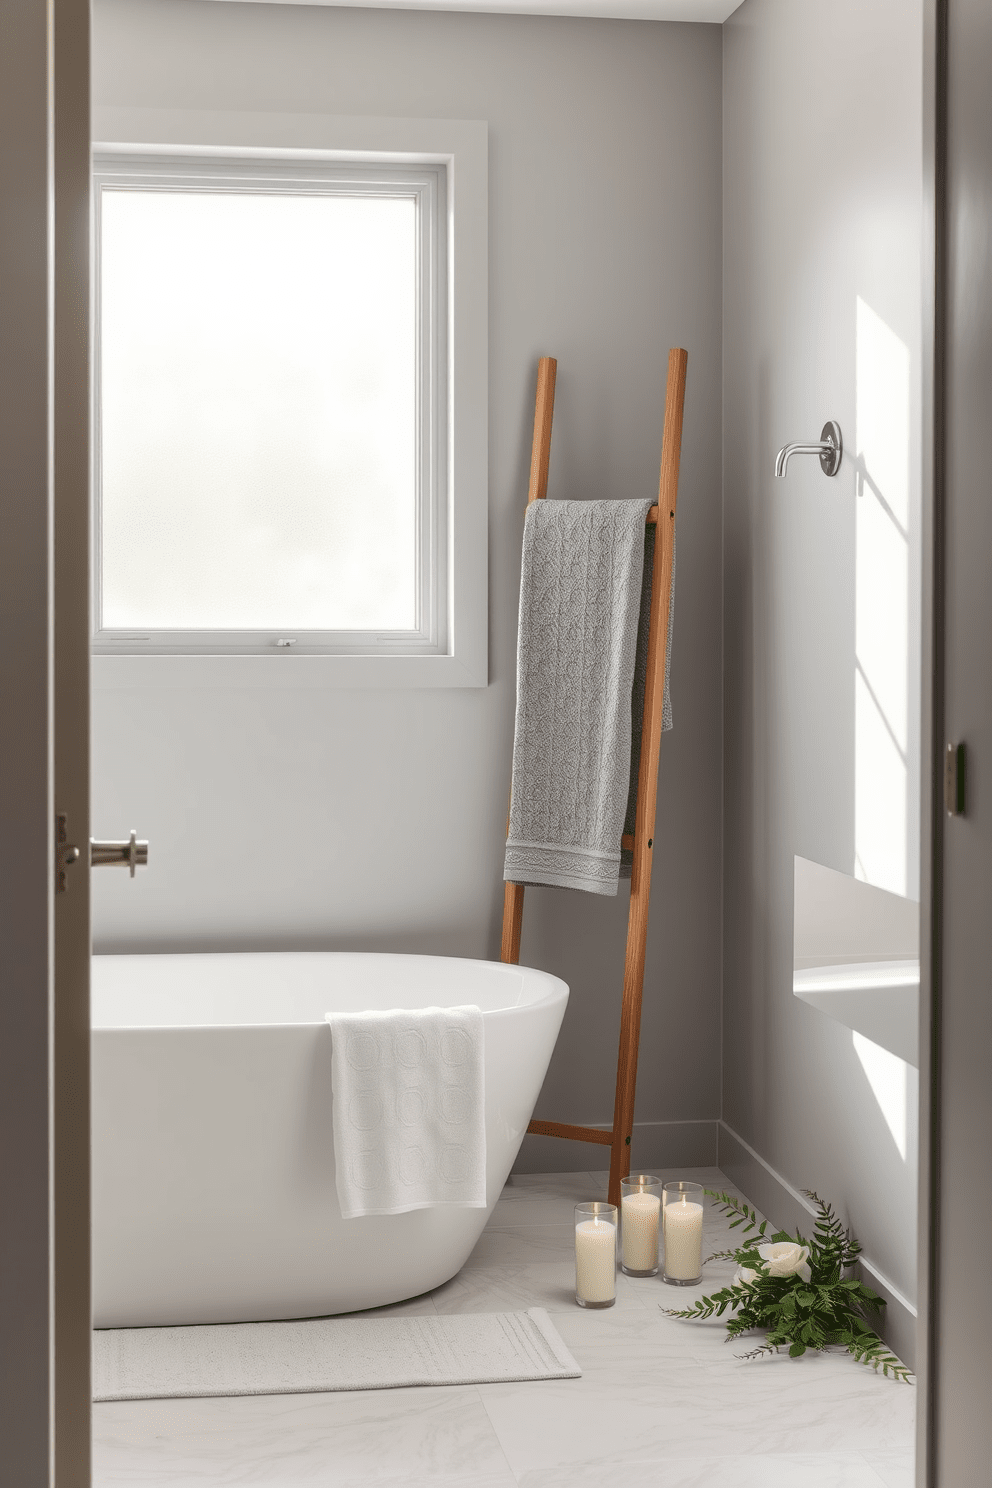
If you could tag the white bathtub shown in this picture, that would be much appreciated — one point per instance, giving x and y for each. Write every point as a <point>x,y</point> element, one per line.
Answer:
<point>213,1159</point>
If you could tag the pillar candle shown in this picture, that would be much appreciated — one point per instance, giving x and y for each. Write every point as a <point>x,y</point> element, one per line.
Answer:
<point>596,1260</point>
<point>683,1241</point>
<point>639,1231</point>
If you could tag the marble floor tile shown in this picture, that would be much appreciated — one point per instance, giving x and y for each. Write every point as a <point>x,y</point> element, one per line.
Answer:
<point>472,1480</point>
<point>662,1401</point>
<point>629,1401</point>
<point>636,1329</point>
<point>820,1403</point>
<point>377,1437</point>
<point>543,1198</point>
<point>541,1186</point>
<point>621,1337</point>
<point>504,1479</point>
<point>413,1307</point>
<point>708,1177</point>
<point>524,1245</point>
<point>895,1469</point>
<point>704,1338</point>
<point>507,1288</point>
<point>604,1418</point>
<point>806,1470</point>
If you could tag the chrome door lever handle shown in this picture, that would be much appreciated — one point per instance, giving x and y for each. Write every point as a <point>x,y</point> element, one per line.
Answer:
<point>130,854</point>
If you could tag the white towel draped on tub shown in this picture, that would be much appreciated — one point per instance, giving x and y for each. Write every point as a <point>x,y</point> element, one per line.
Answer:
<point>408,1102</point>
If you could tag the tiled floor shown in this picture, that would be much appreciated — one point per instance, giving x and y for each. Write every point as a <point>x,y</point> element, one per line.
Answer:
<point>661,1402</point>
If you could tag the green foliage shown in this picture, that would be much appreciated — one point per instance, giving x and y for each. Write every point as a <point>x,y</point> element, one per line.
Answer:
<point>828,1310</point>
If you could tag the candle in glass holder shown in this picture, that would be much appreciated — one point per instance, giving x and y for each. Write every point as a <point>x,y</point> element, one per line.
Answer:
<point>682,1225</point>
<point>640,1211</point>
<point>595,1254</point>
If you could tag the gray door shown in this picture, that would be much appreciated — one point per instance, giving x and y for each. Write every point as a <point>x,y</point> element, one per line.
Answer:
<point>44,685</point>
<point>961,1198</point>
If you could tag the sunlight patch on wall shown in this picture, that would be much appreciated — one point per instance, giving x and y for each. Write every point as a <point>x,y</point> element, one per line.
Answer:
<point>887,1076</point>
<point>882,599</point>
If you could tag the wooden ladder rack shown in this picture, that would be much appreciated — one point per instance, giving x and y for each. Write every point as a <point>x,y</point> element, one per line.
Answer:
<point>642,843</point>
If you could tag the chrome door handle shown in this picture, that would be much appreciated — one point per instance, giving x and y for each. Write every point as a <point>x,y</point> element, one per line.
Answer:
<point>130,854</point>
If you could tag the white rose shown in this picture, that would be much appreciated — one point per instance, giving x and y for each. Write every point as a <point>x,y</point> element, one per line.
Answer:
<point>785,1259</point>
<point>744,1273</point>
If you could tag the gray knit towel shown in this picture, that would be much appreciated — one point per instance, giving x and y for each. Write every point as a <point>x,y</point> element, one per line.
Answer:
<point>580,598</point>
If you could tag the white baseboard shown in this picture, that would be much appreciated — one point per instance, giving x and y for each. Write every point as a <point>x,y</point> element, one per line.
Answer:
<point>788,1209</point>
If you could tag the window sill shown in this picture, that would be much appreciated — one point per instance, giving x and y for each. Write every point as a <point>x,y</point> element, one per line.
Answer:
<point>284,672</point>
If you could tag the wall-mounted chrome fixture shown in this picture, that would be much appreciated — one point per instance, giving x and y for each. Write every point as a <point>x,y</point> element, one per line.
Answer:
<point>830,449</point>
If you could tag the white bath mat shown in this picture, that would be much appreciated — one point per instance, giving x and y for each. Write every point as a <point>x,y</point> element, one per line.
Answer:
<point>297,1358</point>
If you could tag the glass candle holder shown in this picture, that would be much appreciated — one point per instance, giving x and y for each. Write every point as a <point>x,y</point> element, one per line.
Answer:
<point>595,1254</point>
<point>640,1217</point>
<point>682,1231</point>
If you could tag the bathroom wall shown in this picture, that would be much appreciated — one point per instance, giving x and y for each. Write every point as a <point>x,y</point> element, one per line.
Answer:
<point>376,820</point>
<point>822,293</point>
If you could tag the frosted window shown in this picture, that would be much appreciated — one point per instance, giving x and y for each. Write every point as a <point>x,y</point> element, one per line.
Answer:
<point>258,411</point>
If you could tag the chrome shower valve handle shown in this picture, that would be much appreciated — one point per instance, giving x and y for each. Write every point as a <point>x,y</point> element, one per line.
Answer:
<point>829,447</point>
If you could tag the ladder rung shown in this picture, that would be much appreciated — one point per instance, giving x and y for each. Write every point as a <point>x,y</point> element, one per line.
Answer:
<point>571,1133</point>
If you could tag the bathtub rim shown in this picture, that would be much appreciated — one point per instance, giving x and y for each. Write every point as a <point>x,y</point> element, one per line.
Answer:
<point>556,990</point>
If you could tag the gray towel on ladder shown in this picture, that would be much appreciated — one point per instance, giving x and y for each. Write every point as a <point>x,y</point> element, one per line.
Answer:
<point>581,593</point>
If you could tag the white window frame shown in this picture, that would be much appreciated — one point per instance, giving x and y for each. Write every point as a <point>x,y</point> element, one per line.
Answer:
<point>425,185</point>
<point>446,159</point>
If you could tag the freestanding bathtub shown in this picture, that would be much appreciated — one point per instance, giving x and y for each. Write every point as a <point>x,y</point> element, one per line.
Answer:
<point>213,1159</point>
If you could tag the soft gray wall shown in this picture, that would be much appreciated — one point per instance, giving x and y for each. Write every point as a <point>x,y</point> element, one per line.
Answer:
<point>376,820</point>
<point>822,205</point>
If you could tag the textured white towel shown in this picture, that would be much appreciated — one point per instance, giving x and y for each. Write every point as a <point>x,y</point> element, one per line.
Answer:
<point>408,1097</point>
<point>353,1353</point>
<point>580,598</point>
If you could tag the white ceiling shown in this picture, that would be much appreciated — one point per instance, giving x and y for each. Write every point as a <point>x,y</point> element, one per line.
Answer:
<point>618,10</point>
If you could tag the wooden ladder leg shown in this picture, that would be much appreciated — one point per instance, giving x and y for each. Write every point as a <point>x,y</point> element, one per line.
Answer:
<point>647,779</point>
<point>630,1034</point>
<point>537,489</point>
<point>513,914</point>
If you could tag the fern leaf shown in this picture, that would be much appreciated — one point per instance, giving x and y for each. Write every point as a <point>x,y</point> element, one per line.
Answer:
<point>765,1348</point>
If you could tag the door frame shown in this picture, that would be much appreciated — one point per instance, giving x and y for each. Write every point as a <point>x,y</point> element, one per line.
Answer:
<point>44,938</point>
<point>955,1428</point>
<point>932,710</point>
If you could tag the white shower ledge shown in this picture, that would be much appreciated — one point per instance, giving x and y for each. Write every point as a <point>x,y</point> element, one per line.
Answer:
<point>879,999</point>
